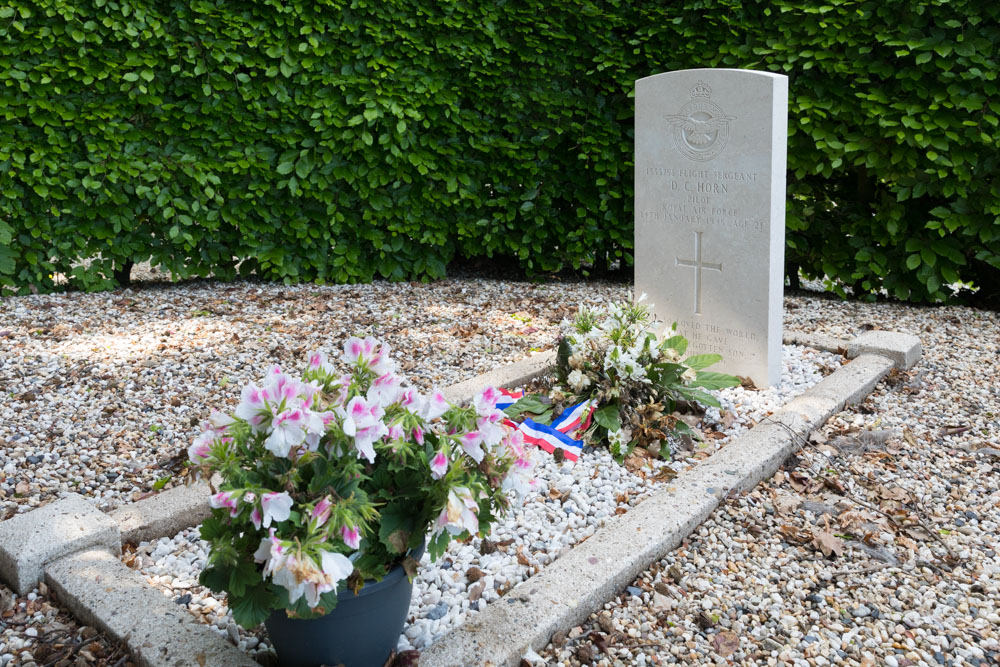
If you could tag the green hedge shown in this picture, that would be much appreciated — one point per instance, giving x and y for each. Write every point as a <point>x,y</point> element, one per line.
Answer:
<point>336,141</point>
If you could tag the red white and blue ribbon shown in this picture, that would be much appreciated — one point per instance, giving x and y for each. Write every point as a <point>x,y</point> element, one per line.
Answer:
<point>554,436</point>
<point>550,439</point>
<point>575,418</point>
<point>509,398</point>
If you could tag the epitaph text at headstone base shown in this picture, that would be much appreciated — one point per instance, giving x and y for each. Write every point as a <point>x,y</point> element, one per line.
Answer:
<point>710,149</point>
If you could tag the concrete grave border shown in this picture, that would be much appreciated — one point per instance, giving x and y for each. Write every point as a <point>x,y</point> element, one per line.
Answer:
<point>568,590</point>
<point>82,566</point>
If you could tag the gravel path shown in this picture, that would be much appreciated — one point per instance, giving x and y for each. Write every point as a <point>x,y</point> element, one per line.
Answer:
<point>876,545</point>
<point>102,391</point>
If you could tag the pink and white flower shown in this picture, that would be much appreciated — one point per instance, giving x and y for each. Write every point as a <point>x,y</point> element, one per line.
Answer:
<point>356,348</point>
<point>288,429</point>
<point>439,465</point>
<point>471,442</point>
<point>224,499</point>
<point>351,536</point>
<point>201,449</point>
<point>334,568</point>
<point>276,507</point>
<point>459,514</point>
<point>368,353</point>
<point>253,407</point>
<point>363,422</point>
<point>321,512</point>
<point>435,406</point>
<point>217,422</point>
<point>491,427</point>
<point>385,390</point>
<point>272,552</point>
<point>411,399</point>
<point>396,433</point>
<point>486,401</point>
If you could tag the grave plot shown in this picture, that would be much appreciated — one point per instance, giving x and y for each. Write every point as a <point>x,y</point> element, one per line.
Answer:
<point>901,490</point>
<point>575,500</point>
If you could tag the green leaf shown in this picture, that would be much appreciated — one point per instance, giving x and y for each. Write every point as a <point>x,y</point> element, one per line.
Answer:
<point>913,261</point>
<point>608,416</point>
<point>253,607</point>
<point>698,396</point>
<point>535,405</point>
<point>678,343</point>
<point>396,526</point>
<point>711,380</point>
<point>699,361</point>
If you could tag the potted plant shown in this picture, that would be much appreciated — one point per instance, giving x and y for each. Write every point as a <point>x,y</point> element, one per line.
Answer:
<point>611,361</point>
<point>330,484</point>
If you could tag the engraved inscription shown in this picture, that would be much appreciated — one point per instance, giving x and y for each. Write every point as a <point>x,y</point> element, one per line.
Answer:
<point>701,129</point>
<point>704,198</point>
<point>698,265</point>
<point>706,338</point>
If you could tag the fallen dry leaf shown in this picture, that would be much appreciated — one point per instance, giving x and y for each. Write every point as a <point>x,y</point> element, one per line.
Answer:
<point>786,502</point>
<point>828,543</point>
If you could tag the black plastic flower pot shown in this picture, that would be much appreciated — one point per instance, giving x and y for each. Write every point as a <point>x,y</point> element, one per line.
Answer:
<point>361,631</point>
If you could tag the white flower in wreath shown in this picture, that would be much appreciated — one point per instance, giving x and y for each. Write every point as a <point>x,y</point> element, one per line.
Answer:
<point>577,380</point>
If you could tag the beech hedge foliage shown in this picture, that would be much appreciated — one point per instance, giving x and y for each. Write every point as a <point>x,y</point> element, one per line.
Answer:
<point>341,141</point>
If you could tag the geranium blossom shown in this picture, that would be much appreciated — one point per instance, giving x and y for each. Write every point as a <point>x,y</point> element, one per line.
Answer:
<point>486,400</point>
<point>201,449</point>
<point>227,499</point>
<point>276,507</point>
<point>321,512</point>
<point>439,465</point>
<point>385,390</point>
<point>459,514</point>
<point>491,427</point>
<point>288,429</point>
<point>411,399</point>
<point>254,408</point>
<point>351,536</point>
<point>471,444</point>
<point>369,353</point>
<point>435,406</point>
<point>363,421</point>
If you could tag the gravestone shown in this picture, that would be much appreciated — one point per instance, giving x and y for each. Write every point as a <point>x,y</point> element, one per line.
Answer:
<point>710,149</point>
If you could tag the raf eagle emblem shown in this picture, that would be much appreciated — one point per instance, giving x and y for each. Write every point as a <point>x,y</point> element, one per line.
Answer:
<point>701,129</point>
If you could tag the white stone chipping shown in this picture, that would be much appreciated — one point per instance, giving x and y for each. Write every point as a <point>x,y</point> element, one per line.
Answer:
<point>573,501</point>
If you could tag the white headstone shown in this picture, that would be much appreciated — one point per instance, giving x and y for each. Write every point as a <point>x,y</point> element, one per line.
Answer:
<point>710,148</point>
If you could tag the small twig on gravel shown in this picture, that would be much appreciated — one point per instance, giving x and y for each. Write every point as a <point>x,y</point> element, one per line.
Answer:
<point>919,521</point>
<point>864,570</point>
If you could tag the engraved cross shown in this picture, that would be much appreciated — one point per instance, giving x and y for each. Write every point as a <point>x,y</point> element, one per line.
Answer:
<point>697,264</point>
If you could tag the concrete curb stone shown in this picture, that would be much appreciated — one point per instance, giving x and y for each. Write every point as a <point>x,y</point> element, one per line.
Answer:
<point>816,341</point>
<point>903,349</point>
<point>505,377</point>
<point>100,590</point>
<point>166,513</point>
<point>28,541</point>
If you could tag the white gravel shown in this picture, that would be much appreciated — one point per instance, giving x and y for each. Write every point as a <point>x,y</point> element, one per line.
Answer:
<point>575,499</point>
<point>752,586</point>
<point>101,392</point>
